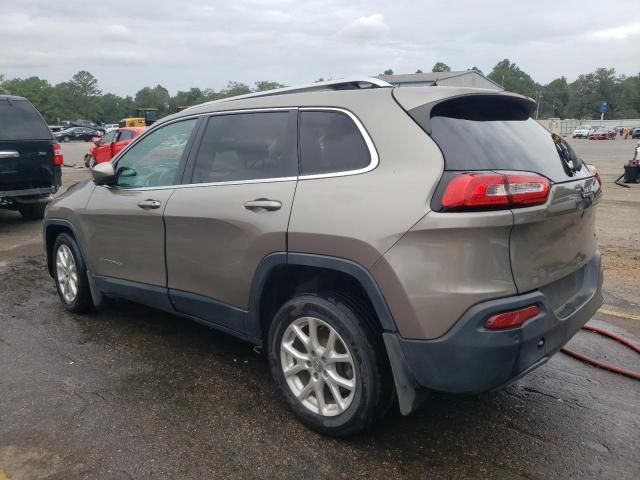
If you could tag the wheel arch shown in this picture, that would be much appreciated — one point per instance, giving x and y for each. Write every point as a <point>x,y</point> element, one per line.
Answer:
<point>51,228</point>
<point>300,267</point>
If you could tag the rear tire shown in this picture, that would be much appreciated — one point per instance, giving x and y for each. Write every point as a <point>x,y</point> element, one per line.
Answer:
<point>70,274</point>
<point>32,211</point>
<point>366,369</point>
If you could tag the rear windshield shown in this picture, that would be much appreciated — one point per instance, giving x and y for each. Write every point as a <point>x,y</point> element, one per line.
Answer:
<point>19,120</point>
<point>496,133</point>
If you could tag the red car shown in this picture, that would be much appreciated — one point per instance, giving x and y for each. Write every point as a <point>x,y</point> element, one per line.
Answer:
<point>602,133</point>
<point>110,145</point>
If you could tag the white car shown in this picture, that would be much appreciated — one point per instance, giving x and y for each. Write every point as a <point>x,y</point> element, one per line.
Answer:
<point>110,126</point>
<point>582,131</point>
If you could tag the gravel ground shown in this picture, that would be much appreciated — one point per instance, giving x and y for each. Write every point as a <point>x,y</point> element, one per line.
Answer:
<point>133,393</point>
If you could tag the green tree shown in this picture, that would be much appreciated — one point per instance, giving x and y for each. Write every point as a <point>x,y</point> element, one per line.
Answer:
<point>477,70</point>
<point>234,89</point>
<point>85,88</point>
<point>388,71</point>
<point>441,67</point>
<point>193,96</point>
<point>513,79</point>
<point>419,71</point>
<point>266,85</point>
<point>37,90</point>
<point>113,108</point>
<point>156,97</point>
<point>555,96</point>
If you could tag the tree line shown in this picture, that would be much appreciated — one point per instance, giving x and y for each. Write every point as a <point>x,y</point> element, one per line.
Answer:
<point>81,97</point>
<point>562,99</point>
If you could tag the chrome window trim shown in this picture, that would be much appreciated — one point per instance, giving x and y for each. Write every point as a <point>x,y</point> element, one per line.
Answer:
<point>373,153</point>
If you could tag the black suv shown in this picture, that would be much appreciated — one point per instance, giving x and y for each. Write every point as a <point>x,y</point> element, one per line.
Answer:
<point>30,159</point>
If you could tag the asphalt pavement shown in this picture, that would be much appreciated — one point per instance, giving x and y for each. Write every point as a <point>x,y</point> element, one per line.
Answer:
<point>133,393</point>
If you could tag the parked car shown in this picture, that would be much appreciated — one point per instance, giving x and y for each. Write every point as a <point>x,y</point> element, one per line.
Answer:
<point>77,133</point>
<point>83,123</point>
<point>30,159</point>
<point>56,128</point>
<point>110,145</point>
<point>635,133</point>
<point>110,126</point>
<point>582,131</point>
<point>602,133</point>
<point>364,235</point>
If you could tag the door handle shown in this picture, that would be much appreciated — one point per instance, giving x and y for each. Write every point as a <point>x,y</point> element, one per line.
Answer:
<point>263,204</point>
<point>149,204</point>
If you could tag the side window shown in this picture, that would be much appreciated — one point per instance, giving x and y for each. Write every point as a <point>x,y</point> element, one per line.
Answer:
<point>247,146</point>
<point>125,135</point>
<point>109,137</point>
<point>330,142</point>
<point>154,160</point>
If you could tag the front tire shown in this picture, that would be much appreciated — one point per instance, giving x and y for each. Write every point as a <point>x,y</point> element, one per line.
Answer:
<point>329,363</point>
<point>70,274</point>
<point>65,139</point>
<point>32,211</point>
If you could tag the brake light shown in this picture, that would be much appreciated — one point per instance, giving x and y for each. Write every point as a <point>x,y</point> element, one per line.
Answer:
<point>511,319</point>
<point>58,158</point>
<point>596,174</point>
<point>495,189</point>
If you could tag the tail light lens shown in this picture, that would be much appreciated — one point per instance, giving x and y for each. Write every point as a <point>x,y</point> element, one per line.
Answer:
<point>483,190</point>
<point>596,174</point>
<point>511,319</point>
<point>58,158</point>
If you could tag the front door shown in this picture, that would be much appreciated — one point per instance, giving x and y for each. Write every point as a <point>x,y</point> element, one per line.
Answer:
<point>102,151</point>
<point>234,213</point>
<point>123,223</point>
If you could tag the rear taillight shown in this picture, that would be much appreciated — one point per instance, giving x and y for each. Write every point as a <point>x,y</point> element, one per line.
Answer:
<point>596,174</point>
<point>58,158</point>
<point>511,319</point>
<point>484,190</point>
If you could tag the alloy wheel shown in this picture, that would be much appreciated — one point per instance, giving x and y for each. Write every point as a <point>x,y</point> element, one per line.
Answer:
<point>318,366</point>
<point>67,273</point>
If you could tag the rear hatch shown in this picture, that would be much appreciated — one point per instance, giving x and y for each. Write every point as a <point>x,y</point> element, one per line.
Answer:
<point>494,132</point>
<point>26,147</point>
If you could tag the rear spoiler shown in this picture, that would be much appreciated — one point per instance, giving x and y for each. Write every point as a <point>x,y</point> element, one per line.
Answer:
<point>474,106</point>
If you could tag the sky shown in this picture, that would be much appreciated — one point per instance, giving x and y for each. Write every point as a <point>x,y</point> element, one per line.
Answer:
<point>129,44</point>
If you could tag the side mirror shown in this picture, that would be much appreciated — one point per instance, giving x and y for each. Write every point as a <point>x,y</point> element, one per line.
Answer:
<point>96,141</point>
<point>103,174</point>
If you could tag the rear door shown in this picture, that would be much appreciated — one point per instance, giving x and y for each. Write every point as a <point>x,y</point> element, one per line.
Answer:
<point>233,213</point>
<point>26,147</point>
<point>496,133</point>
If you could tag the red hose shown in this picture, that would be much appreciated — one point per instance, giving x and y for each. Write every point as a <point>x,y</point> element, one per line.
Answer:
<point>606,366</point>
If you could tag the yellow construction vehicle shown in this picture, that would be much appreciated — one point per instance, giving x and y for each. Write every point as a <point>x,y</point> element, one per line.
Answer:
<point>144,118</point>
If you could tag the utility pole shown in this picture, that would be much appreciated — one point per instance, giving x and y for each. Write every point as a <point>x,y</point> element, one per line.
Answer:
<point>538,104</point>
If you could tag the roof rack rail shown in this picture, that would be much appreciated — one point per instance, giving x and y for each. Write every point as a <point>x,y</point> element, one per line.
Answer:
<point>350,83</point>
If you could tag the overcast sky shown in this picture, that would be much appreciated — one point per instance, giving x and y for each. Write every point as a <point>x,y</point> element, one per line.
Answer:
<point>128,44</point>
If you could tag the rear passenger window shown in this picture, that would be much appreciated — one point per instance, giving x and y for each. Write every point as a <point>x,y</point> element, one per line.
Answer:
<point>330,142</point>
<point>247,146</point>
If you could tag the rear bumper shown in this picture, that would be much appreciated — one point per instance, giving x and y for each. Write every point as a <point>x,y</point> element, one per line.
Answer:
<point>471,359</point>
<point>31,192</point>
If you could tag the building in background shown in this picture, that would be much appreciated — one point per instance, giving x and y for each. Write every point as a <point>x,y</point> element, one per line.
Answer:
<point>466,78</point>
